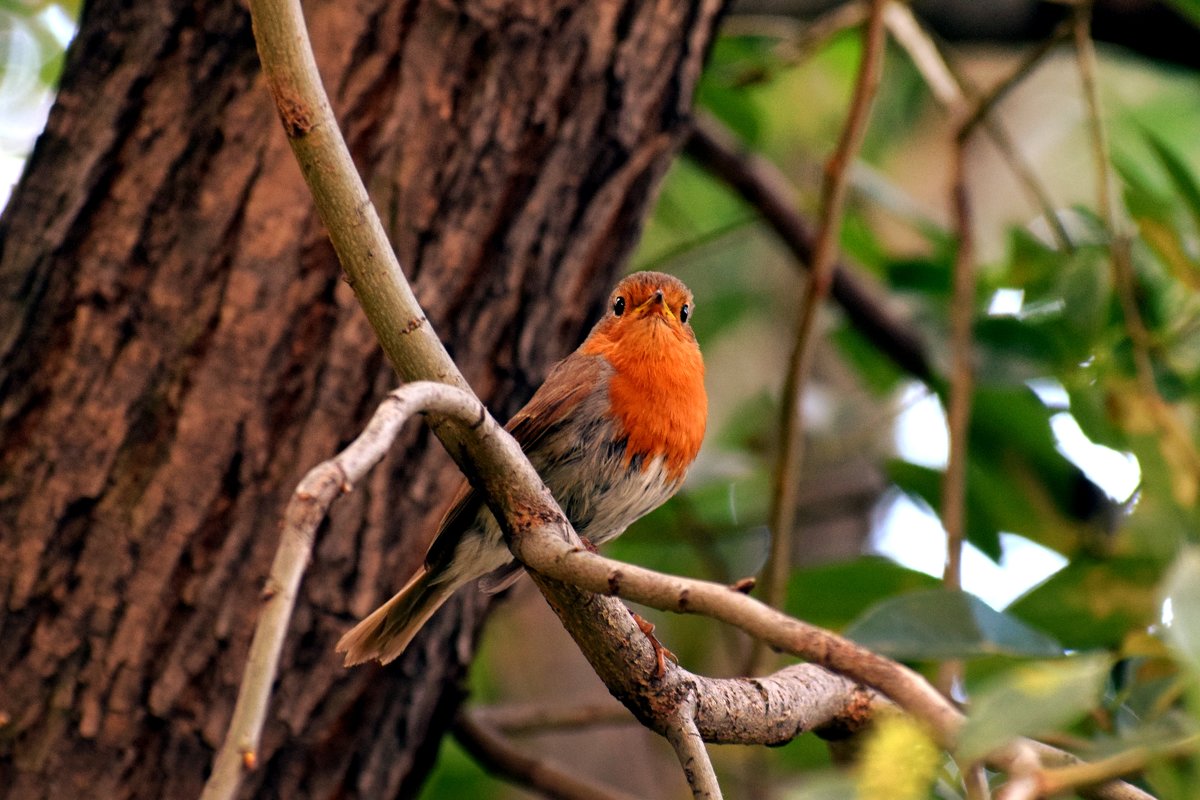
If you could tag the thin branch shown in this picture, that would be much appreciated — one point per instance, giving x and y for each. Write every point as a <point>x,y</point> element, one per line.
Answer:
<point>987,104</point>
<point>1063,779</point>
<point>523,719</point>
<point>962,315</point>
<point>951,95</point>
<point>693,756</point>
<point>541,775</point>
<point>307,507</point>
<point>799,40</point>
<point>1175,441</point>
<point>762,185</point>
<point>926,57</point>
<point>833,201</point>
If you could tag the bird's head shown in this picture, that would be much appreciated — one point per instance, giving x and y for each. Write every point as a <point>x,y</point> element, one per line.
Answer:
<point>648,307</point>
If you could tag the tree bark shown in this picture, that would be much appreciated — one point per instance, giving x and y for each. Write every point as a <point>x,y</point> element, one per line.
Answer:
<point>177,348</point>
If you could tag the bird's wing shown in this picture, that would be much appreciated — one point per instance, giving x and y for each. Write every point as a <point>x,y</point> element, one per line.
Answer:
<point>570,381</point>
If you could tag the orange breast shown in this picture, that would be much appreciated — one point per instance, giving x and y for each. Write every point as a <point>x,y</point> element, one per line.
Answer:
<point>656,393</point>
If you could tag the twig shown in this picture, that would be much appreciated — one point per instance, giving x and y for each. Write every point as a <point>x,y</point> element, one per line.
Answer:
<point>799,39</point>
<point>517,720</point>
<point>986,104</point>
<point>833,200</point>
<point>1175,441</point>
<point>307,507</point>
<point>923,52</point>
<point>948,92</point>
<point>764,187</point>
<point>962,314</point>
<point>693,756</point>
<point>1063,779</point>
<point>541,775</point>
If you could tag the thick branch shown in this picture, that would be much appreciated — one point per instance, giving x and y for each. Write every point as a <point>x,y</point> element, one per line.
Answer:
<point>769,710</point>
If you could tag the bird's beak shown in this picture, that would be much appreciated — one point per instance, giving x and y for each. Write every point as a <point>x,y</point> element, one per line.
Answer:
<point>657,304</point>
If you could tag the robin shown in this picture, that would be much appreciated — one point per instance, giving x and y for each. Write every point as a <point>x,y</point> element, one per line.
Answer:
<point>612,432</point>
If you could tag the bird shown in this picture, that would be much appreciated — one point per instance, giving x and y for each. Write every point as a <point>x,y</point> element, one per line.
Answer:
<point>612,432</point>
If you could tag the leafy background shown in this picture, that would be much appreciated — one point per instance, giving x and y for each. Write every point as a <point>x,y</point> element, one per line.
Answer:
<point>1080,619</point>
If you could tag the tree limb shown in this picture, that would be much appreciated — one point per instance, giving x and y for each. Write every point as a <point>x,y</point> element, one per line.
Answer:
<point>834,190</point>
<point>693,756</point>
<point>764,186</point>
<point>545,777</point>
<point>518,719</point>
<point>751,711</point>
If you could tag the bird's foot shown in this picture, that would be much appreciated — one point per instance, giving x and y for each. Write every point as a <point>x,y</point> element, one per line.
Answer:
<point>661,654</point>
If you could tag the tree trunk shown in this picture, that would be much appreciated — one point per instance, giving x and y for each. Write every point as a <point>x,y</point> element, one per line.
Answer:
<point>177,348</point>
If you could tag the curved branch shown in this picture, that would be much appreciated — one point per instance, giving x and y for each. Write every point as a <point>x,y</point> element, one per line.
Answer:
<point>305,511</point>
<point>541,775</point>
<point>768,710</point>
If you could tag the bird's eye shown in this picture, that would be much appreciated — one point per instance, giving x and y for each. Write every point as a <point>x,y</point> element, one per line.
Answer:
<point>684,311</point>
<point>619,306</point>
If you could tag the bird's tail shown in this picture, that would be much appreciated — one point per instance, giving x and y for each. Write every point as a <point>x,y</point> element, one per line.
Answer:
<point>387,631</point>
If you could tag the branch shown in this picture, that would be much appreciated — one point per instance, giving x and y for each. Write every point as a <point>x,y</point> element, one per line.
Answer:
<point>948,92</point>
<point>519,719</point>
<point>958,413</point>
<point>1175,440</point>
<point>833,200</point>
<point>762,185</point>
<point>305,511</point>
<point>728,710</point>
<point>514,491</point>
<point>541,775</point>
<point>1063,779</point>
<point>693,756</point>
<point>769,710</point>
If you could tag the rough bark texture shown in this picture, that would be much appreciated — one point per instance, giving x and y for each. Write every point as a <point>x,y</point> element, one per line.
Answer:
<point>177,348</point>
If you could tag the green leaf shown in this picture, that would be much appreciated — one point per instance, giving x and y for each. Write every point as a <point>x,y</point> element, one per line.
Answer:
<point>1182,588</point>
<point>1091,604</point>
<point>1031,699</point>
<point>941,624</point>
<point>831,595</point>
